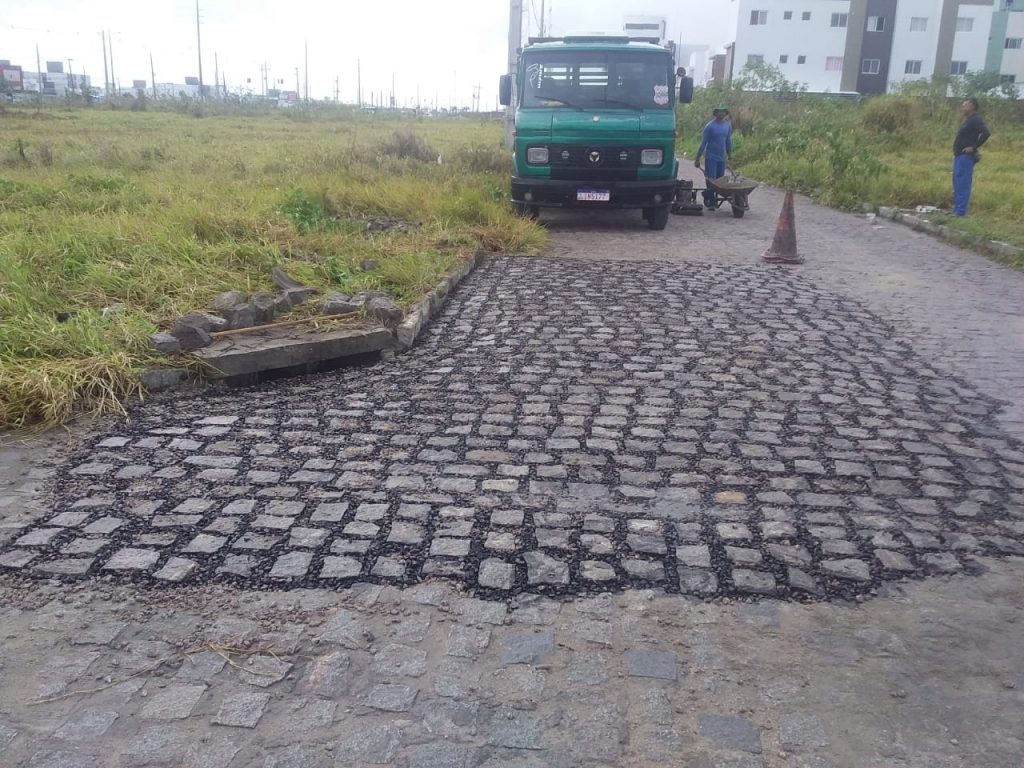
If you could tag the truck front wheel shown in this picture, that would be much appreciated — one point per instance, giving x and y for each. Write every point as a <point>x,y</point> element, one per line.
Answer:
<point>529,211</point>
<point>657,218</point>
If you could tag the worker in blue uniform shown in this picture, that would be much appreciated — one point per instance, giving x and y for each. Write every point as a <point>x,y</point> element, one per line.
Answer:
<point>716,145</point>
<point>972,134</point>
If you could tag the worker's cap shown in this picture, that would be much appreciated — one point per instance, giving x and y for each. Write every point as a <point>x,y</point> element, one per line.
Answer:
<point>721,108</point>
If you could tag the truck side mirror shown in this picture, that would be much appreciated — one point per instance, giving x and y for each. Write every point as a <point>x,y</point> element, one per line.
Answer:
<point>685,90</point>
<point>505,90</point>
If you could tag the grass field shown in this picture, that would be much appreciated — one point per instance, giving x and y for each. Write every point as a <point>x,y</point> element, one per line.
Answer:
<point>147,215</point>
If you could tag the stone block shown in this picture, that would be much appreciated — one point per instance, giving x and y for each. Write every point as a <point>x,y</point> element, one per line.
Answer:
<point>165,343</point>
<point>240,316</point>
<point>225,301</point>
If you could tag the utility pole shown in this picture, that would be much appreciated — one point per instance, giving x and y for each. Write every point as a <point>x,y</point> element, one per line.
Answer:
<point>306,49</point>
<point>216,76</point>
<point>39,78</point>
<point>515,39</point>
<point>113,77</point>
<point>543,32</point>
<point>298,88</point>
<point>336,88</point>
<point>152,74</point>
<point>359,82</point>
<point>71,78</point>
<point>199,49</point>
<point>106,73</point>
<point>393,102</point>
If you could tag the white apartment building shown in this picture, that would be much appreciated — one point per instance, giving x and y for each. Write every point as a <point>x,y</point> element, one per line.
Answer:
<point>873,46</point>
<point>805,39</point>
<point>1006,44</point>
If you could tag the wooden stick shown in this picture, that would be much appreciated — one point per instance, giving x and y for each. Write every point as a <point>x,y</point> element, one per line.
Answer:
<point>282,324</point>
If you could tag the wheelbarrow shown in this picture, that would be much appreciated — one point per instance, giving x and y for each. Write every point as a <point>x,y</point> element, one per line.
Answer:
<point>731,188</point>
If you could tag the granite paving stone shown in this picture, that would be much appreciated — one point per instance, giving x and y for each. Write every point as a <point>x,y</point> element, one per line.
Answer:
<point>242,710</point>
<point>521,448</point>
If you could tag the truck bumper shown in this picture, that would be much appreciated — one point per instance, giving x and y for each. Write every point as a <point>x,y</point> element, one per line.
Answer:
<point>558,193</point>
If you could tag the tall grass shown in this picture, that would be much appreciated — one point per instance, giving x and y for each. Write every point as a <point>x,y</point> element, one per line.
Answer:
<point>887,150</point>
<point>112,223</point>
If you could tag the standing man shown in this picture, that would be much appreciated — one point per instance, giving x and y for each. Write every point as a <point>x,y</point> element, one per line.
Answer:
<point>972,134</point>
<point>716,143</point>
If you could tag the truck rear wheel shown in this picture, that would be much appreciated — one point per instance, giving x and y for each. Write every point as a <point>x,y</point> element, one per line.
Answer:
<point>657,218</point>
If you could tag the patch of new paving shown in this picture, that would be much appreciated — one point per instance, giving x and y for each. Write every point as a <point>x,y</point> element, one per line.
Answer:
<point>564,428</point>
<point>614,513</point>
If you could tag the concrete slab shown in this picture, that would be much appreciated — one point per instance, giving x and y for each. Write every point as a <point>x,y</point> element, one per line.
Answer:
<point>274,349</point>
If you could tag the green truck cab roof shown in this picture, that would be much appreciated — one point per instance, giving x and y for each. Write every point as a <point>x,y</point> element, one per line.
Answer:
<point>590,43</point>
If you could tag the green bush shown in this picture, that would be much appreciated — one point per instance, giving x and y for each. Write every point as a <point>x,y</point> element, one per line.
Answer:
<point>889,114</point>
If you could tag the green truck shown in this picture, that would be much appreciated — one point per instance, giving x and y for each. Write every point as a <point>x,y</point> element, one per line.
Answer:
<point>595,125</point>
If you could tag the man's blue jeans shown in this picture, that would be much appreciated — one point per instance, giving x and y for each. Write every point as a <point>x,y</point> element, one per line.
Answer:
<point>963,178</point>
<point>713,169</point>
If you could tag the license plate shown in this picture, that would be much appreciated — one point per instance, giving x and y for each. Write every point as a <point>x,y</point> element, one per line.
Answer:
<point>593,195</point>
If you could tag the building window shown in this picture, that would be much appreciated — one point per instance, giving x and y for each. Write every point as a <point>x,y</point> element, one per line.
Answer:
<point>754,59</point>
<point>840,19</point>
<point>757,18</point>
<point>834,64</point>
<point>958,68</point>
<point>964,24</point>
<point>806,16</point>
<point>871,66</point>
<point>783,59</point>
<point>787,15</point>
<point>1007,79</point>
<point>876,23</point>
<point>1012,42</point>
<point>801,59</point>
<point>913,67</point>
<point>919,24</point>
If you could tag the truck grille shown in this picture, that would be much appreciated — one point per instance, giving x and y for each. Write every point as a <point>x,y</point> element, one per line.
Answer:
<point>592,157</point>
<point>593,162</point>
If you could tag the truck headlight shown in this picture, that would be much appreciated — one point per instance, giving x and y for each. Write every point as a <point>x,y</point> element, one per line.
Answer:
<point>537,155</point>
<point>652,157</point>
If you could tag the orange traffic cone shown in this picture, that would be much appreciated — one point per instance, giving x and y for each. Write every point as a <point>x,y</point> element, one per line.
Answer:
<point>783,250</point>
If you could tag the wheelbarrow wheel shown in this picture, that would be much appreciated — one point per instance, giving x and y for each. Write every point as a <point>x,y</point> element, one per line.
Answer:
<point>739,205</point>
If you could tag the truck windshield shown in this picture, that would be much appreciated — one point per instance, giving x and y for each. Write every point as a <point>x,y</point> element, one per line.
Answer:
<point>597,79</point>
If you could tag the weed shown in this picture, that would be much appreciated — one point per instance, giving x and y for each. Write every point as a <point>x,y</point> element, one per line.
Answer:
<point>407,145</point>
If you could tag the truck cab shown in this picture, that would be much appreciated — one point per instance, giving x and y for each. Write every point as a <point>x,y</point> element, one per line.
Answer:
<point>595,125</point>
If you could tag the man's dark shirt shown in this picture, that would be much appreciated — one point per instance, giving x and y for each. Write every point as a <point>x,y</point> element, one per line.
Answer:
<point>972,133</point>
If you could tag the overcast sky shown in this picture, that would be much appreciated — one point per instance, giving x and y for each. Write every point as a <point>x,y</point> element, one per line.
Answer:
<point>443,48</point>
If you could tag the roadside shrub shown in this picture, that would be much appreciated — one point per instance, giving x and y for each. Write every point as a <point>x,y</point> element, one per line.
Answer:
<point>481,159</point>
<point>890,114</point>
<point>408,146</point>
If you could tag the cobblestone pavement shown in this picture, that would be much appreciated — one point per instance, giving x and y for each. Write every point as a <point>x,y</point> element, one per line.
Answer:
<point>566,427</point>
<point>430,678</point>
<point>666,508</point>
<point>959,310</point>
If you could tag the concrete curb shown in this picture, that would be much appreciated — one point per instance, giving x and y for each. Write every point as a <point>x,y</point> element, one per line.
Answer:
<point>409,329</point>
<point>945,233</point>
<point>317,350</point>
